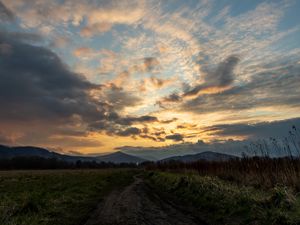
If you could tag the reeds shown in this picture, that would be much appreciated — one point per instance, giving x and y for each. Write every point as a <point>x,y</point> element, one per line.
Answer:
<point>264,164</point>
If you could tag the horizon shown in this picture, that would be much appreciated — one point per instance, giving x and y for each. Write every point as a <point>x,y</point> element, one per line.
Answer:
<point>96,77</point>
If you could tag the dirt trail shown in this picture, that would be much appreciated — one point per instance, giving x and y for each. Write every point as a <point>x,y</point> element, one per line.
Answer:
<point>137,204</point>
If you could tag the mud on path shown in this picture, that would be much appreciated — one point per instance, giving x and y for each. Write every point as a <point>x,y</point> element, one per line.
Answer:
<point>137,204</point>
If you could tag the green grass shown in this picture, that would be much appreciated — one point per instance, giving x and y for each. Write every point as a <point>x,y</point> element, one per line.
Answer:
<point>222,202</point>
<point>55,197</point>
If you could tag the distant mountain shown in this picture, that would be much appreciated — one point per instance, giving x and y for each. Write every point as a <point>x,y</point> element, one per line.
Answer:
<point>208,156</point>
<point>120,157</point>
<point>10,152</point>
<point>29,151</point>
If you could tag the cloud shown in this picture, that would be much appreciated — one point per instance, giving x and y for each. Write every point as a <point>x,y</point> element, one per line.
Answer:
<point>105,14</point>
<point>144,65</point>
<point>175,137</point>
<point>276,129</point>
<point>37,88</point>
<point>93,17</point>
<point>141,119</point>
<point>5,49</point>
<point>168,121</point>
<point>174,97</point>
<point>159,83</point>
<point>214,82</point>
<point>254,132</point>
<point>178,56</point>
<point>221,78</point>
<point>35,84</point>
<point>150,63</point>
<point>132,131</point>
<point>98,28</point>
<point>84,52</point>
<point>274,86</point>
<point>120,99</point>
<point>6,15</point>
<point>24,37</point>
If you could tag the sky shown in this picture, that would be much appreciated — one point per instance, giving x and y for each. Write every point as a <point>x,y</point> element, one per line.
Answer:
<point>87,76</point>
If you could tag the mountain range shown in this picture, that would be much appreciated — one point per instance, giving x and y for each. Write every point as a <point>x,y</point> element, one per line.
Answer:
<point>7,152</point>
<point>29,151</point>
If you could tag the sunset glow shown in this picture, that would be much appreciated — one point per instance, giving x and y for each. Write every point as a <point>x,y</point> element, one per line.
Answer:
<point>92,76</point>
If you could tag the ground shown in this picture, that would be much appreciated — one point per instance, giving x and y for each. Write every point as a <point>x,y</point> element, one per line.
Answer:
<point>137,204</point>
<point>137,197</point>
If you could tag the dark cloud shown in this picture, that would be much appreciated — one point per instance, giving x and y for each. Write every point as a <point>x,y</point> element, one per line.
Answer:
<point>141,119</point>
<point>6,15</point>
<point>222,77</point>
<point>131,131</point>
<point>175,137</point>
<point>36,86</point>
<point>277,86</point>
<point>153,138</point>
<point>174,97</point>
<point>30,38</point>
<point>278,129</point>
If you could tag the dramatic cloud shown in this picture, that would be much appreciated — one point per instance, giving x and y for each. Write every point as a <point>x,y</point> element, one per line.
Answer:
<point>276,129</point>
<point>213,82</point>
<point>35,84</point>
<point>149,72</point>
<point>222,77</point>
<point>260,91</point>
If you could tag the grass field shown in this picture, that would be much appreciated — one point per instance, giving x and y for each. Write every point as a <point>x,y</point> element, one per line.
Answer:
<point>55,197</point>
<point>223,202</point>
<point>67,197</point>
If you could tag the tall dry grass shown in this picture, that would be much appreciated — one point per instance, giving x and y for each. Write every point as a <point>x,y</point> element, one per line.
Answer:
<point>264,164</point>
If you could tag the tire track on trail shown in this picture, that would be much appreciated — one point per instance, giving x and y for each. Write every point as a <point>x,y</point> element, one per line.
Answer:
<point>137,204</point>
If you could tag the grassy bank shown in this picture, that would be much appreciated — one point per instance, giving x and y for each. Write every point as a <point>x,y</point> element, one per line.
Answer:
<point>222,202</point>
<point>55,197</point>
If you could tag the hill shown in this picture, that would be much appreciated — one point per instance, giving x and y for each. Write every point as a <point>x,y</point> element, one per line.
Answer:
<point>120,157</point>
<point>208,156</point>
